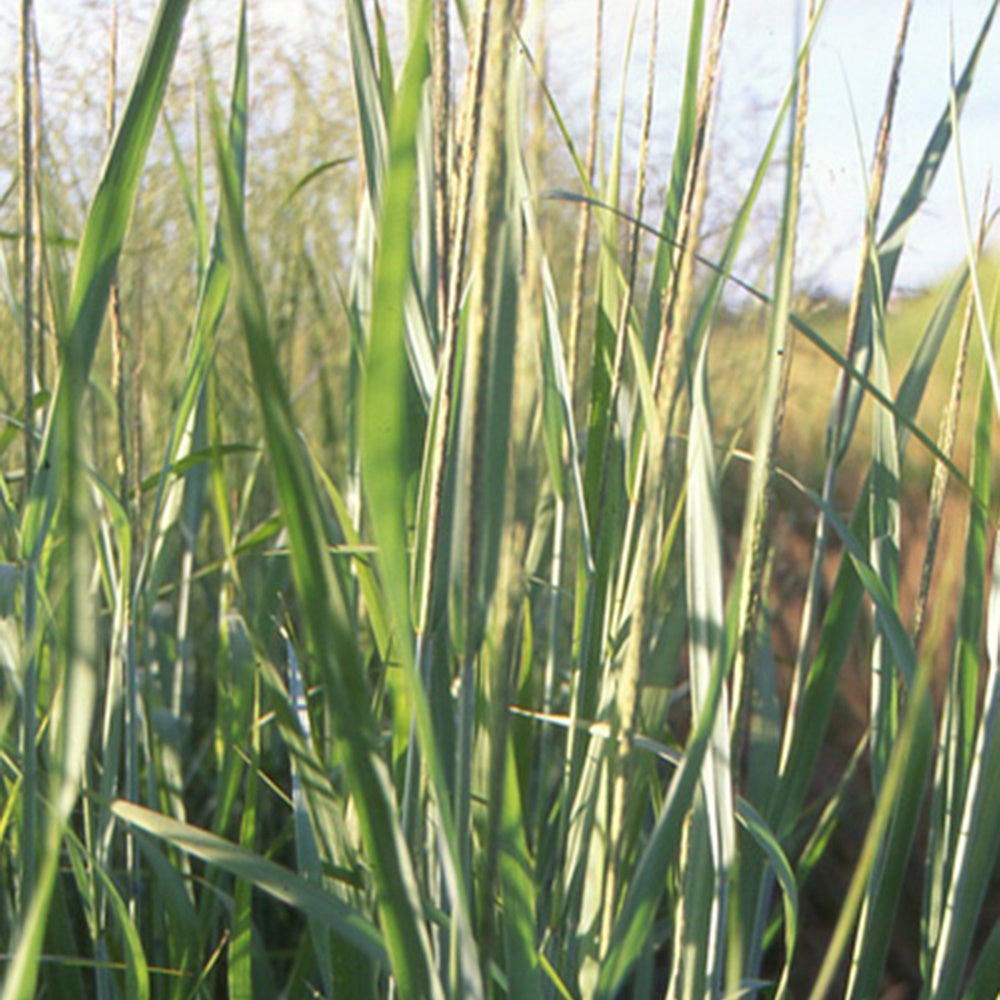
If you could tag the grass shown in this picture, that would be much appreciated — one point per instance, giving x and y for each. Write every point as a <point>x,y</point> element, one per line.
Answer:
<point>423,631</point>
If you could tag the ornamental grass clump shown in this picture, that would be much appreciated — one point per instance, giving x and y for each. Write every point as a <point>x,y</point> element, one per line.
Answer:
<point>400,638</point>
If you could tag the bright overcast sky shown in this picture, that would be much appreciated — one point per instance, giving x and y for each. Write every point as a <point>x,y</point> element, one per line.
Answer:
<point>849,72</point>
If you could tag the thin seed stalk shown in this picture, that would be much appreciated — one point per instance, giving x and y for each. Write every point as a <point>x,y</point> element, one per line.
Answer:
<point>572,345</point>
<point>456,224</point>
<point>946,444</point>
<point>583,227</point>
<point>451,225</point>
<point>27,211</point>
<point>776,389</point>
<point>835,445</point>
<point>487,248</point>
<point>628,682</point>
<point>678,293</point>
<point>625,311</point>
<point>36,166</point>
<point>29,823</point>
<point>469,147</point>
<point>441,89</point>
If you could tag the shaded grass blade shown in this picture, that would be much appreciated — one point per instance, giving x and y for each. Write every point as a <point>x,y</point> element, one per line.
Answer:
<point>281,883</point>
<point>100,246</point>
<point>327,622</point>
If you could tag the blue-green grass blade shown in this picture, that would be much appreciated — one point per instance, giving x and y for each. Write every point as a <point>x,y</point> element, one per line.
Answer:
<point>312,174</point>
<point>518,879</point>
<point>755,704</point>
<point>271,878</point>
<point>737,229</point>
<point>100,246</point>
<point>324,609</point>
<point>384,423</point>
<point>374,597</point>
<point>748,817</point>
<point>329,833</point>
<point>136,966</point>
<point>234,713</point>
<point>370,100</point>
<point>958,721</point>
<point>891,829</point>
<point>60,479</point>
<point>239,951</point>
<point>755,825</point>
<point>213,293</point>
<point>182,943</point>
<point>893,238</point>
<point>802,742</point>
<point>884,532</point>
<point>488,370</point>
<point>557,398</point>
<point>707,630</point>
<point>985,978</point>
<point>976,846</point>
<point>889,869</point>
<point>880,278</point>
<point>648,880</point>
<point>680,160</point>
<point>306,847</point>
<point>384,391</point>
<point>191,190</point>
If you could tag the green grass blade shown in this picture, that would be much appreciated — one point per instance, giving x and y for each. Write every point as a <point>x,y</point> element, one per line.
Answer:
<point>893,238</point>
<point>893,823</point>
<point>683,148</point>
<point>212,295</point>
<point>100,246</point>
<point>239,952</point>
<point>136,966</point>
<point>384,459</point>
<point>884,532</point>
<point>957,737</point>
<point>985,978</point>
<point>976,845</point>
<point>370,100</point>
<point>306,849</point>
<point>384,392</point>
<point>765,839</point>
<point>706,622</point>
<point>324,610</point>
<point>273,879</point>
<point>648,880</point>
<point>518,880</point>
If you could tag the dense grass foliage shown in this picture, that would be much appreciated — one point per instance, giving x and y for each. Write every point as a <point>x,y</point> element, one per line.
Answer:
<point>424,603</point>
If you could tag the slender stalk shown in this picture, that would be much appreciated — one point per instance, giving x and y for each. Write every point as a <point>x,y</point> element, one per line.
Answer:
<point>583,226</point>
<point>572,349</point>
<point>36,166</point>
<point>773,396</point>
<point>30,817</point>
<point>835,439</point>
<point>452,228</point>
<point>678,294</point>
<point>126,646</point>
<point>441,87</point>
<point>946,443</point>
<point>629,679</point>
<point>27,212</point>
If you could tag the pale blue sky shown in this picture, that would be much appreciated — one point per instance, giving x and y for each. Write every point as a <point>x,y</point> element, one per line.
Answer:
<point>850,64</point>
<point>850,67</point>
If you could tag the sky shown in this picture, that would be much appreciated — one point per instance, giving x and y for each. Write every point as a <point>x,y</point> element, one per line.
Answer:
<point>850,68</point>
<point>849,74</point>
